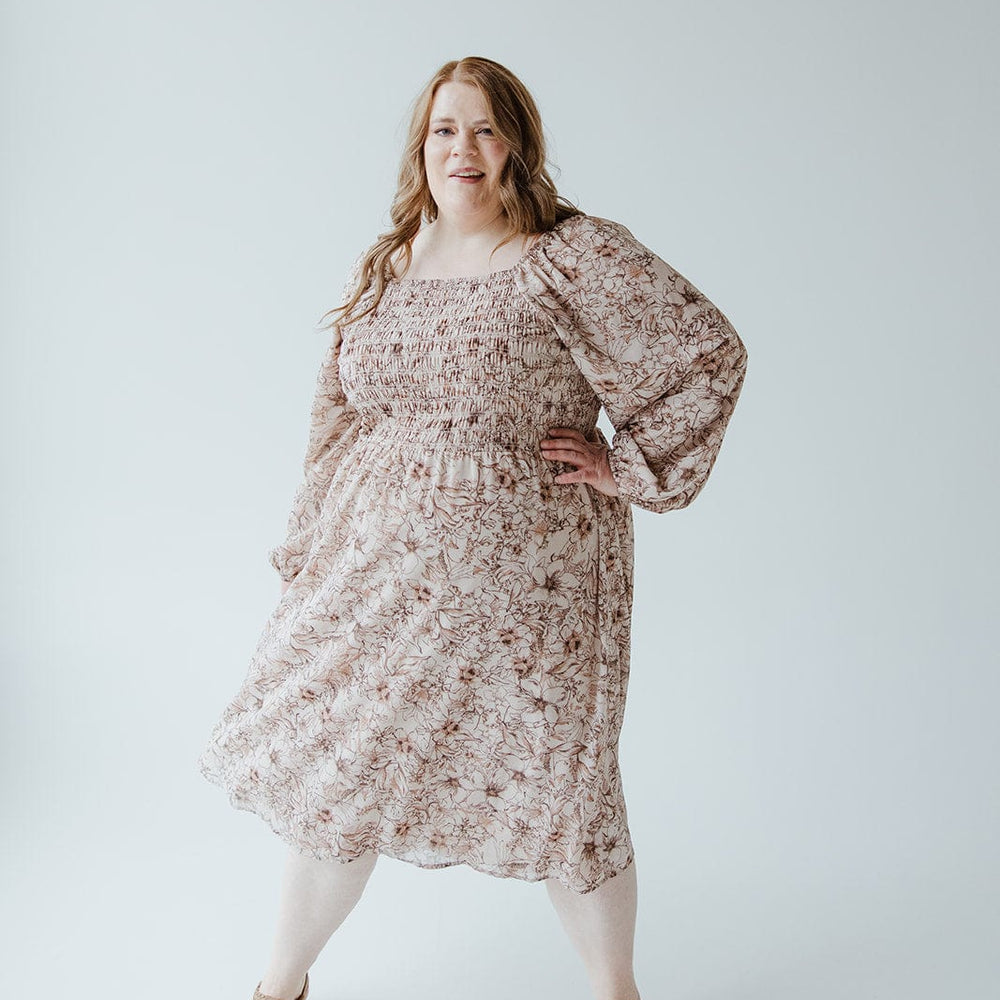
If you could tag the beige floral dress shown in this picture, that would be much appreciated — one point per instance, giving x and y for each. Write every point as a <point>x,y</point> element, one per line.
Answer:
<point>444,681</point>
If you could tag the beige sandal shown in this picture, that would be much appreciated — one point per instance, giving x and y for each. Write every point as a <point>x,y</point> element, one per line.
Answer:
<point>257,995</point>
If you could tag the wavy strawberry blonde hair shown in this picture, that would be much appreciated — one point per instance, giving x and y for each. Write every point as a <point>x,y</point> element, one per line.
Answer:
<point>528,195</point>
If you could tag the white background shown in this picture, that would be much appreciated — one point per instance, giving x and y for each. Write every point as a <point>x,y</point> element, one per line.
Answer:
<point>810,745</point>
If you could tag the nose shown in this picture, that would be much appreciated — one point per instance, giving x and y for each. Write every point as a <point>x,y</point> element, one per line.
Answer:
<point>463,144</point>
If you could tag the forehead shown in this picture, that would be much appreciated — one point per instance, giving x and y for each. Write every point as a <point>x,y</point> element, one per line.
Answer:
<point>460,102</point>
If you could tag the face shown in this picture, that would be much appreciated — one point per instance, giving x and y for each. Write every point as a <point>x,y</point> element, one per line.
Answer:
<point>463,158</point>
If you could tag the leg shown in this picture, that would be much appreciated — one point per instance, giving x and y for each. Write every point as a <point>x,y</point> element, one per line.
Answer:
<point>316,897</point>
<point>601,925</point>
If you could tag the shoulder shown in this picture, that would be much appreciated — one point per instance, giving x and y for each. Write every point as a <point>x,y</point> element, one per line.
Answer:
<point>588,265</point>
<point>591,227</point>
<point>590,238</point>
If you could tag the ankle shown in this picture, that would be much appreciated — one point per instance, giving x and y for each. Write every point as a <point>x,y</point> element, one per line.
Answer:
<point>281,988</point>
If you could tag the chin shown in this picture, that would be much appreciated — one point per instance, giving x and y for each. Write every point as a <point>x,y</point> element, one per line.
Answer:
<point>473,201</point>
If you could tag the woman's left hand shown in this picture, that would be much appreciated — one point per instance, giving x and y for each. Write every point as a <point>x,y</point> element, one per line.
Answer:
<point>591,459</point>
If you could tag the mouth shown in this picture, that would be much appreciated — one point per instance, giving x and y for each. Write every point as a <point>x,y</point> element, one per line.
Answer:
<point>468,176</point>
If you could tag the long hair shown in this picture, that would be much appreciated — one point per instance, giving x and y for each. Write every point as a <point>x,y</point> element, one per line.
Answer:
<point>528,195</point>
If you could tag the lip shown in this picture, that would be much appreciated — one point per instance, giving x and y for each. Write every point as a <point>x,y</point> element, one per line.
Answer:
<point>462,177</point>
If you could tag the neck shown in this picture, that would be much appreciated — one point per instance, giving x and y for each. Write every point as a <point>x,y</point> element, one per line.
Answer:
<point>450,229</point>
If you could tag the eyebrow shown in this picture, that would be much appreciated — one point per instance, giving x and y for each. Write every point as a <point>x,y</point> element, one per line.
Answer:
<point>451,121</point>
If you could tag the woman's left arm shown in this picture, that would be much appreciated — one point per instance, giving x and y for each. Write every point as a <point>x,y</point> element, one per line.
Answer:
<point>666,364</point>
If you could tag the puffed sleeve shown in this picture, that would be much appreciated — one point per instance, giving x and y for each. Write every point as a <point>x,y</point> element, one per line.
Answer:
<point>333,427</point>
<point>665,363</point>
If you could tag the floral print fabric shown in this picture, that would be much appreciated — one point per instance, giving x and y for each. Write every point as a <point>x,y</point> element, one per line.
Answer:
<point>444,681</point>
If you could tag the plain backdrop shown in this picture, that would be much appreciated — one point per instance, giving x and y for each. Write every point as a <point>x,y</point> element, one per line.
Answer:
<point>810,746</point>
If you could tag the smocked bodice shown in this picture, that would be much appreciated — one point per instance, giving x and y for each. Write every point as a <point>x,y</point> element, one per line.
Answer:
<point>462,363</point>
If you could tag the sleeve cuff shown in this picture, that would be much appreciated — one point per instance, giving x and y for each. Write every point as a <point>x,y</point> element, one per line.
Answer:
<point>635,480</point>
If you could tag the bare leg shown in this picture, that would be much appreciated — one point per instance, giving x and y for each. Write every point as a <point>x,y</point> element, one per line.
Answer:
<point>316,897</point>
<point>601,925</point>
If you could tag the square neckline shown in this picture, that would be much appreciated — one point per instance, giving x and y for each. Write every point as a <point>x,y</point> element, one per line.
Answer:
<point>510,269</point>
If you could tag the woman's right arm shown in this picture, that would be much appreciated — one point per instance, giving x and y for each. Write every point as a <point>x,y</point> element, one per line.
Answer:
<point>333,428</point>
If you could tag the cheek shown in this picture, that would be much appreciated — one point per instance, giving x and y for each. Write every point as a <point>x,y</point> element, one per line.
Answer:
<point>499,160</point>
<point>432,161</point>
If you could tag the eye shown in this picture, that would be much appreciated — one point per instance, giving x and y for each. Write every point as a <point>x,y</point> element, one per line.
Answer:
<point>442,130</point>
<point>486,131</point>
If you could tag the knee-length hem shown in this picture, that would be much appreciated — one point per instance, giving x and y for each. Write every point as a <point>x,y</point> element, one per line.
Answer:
<point>444,681</point>
<point>450,856</point>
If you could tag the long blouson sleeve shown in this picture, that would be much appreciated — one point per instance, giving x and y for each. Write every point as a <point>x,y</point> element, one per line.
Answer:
<point>665,363</point>
<point>333,426</point>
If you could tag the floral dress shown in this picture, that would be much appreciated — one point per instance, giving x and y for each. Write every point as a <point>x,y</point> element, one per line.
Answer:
<point>444,681</point>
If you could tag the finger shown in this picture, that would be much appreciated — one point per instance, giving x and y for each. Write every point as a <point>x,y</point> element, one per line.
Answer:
<point>566,432</point>
<point>570,444</point>
<point>561,455</point>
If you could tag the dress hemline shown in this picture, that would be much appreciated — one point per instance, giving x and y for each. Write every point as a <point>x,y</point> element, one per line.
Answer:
<point>387,850</point>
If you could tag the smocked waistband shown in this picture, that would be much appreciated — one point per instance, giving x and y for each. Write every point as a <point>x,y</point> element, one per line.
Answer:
<point>471,431</point>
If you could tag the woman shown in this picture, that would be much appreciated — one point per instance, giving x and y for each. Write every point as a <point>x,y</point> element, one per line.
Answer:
<point>443,680</point>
